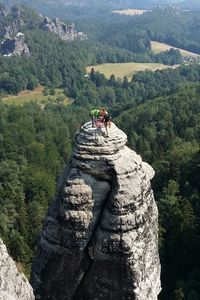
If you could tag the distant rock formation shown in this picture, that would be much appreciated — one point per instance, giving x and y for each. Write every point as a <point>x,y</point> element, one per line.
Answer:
<point>13,284</point>
<point>100,239</point>
<point>3,12</point>
<point>10,30</point>
<point>14,46</point>
<point>66,32</point>
<point>170,9</point>
<point>13,27</point>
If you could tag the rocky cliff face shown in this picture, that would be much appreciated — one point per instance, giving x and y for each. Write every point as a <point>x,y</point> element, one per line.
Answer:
<point>3,12</point>
<point>100,239</point>
<point>66,32</point>
<point>13,284</point>
<point>14,46</point>
<point>10,30</point>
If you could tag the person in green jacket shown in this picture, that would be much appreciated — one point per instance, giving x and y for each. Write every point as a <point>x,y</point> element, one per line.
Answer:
<point>95,113</point>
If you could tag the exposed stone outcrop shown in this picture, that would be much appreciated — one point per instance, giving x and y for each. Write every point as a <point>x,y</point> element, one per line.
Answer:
<point>10,30</point>
<point>13,284</point>
<point>100,238</point>
<point>15,46</point>
<point>66,32</point>
<point>3,12</point>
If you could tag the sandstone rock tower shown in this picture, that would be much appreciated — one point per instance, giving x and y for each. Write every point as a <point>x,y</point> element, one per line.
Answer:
<point>100,238</point>
<point>14,46</point>
<point>66,32</point>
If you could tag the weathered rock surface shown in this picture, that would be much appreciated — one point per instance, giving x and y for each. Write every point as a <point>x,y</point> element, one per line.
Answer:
<point>10,30</point>
<point>66,32</point>
<point>3,12</point>
<point>13,284</point>
<point>15,46</point>
<point>100,238</point>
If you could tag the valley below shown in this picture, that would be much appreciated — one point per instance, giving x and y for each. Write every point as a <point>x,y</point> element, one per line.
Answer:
<point>120,70</point>
<point>130,12</point>
<point>158,47</point>
<point>77,200</point>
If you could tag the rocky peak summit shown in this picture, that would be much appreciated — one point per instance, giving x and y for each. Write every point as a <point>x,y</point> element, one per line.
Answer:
<point>100,238</point>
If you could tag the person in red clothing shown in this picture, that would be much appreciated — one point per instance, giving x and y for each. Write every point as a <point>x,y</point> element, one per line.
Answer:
<point>103,113</point>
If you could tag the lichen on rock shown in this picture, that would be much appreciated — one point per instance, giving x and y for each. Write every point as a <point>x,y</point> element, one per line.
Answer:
<point>100,238</point>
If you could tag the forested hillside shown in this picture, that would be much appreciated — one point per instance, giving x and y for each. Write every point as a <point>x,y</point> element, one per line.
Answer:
<point>115,3</point>
<point>63,65</point>
<point>36,144</point>
<point>168,24</point>
<point>159,111</point>
<point>166,132</point>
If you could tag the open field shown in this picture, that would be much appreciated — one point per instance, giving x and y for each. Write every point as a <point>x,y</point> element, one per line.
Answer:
<point>126,69</point>
<point>158,47</point>
<point>36,95</point>
<point>130,12</point>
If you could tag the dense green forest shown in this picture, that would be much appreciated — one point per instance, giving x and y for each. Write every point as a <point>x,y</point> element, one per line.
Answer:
<point>166,132</point>
<point>165,24</point>
<point>163,126</point>
<point>35,146</point>
<point>159,111</point>
<point>63,65</point>
<point>169,24</point>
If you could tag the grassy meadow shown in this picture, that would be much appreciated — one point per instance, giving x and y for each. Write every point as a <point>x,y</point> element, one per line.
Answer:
<point>158,47</point>
<point>130,12</point>
<point>125,69</point>
<point>37,95</point>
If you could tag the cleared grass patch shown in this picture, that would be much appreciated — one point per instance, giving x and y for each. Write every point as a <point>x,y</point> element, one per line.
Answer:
<point>158,47</point>
<point>130,12</point>
<point>126,69</point>
<point>37,95</point>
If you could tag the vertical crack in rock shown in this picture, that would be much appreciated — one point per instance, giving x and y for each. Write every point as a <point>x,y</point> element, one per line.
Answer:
<point>78,291</point>
<point>100,237</point>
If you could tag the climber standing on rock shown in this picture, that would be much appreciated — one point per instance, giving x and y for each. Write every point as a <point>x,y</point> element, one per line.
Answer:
<point>95,115</point>
<point>98,115</point>
<point>107,122</point>
<point>101,118</point>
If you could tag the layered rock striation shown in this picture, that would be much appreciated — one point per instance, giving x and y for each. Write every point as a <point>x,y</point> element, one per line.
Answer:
<point>100,238</point>
<point>13,284</point>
